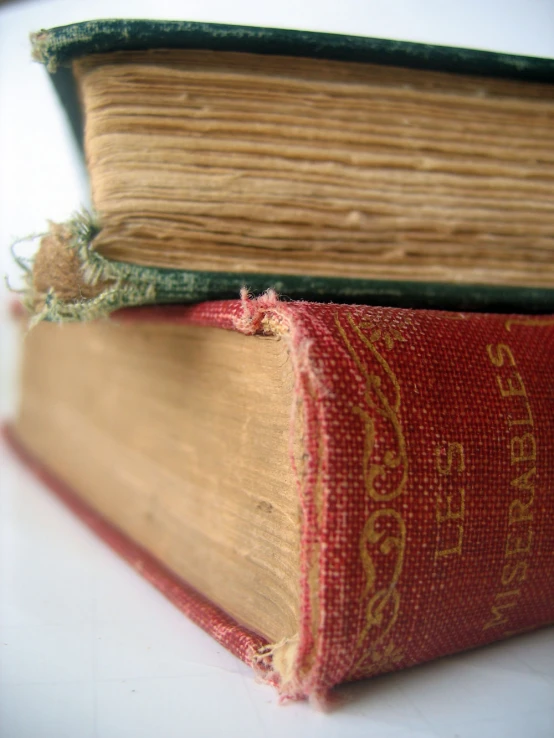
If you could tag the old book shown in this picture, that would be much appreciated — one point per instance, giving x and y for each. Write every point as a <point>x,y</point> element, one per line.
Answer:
<point>334,492</point>
<point>319,165</point>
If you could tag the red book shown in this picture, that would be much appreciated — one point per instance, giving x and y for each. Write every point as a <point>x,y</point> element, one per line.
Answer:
<point>426,484</point>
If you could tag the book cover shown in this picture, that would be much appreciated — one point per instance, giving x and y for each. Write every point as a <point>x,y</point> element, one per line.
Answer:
<point>58,48</point>
<point>425,486</point>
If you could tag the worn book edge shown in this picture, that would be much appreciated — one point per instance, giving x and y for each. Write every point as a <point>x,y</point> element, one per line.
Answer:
<point>68,280</point>
<point>59,46</point>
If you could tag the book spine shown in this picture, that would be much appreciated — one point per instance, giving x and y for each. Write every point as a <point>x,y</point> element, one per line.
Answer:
<point>428,490</point>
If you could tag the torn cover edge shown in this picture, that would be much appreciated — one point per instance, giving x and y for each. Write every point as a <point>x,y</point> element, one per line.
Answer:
<point>113,285</point>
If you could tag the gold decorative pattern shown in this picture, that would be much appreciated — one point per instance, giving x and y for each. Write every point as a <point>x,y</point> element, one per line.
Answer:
<point>536,322</point>
<point>383,659</point>
<point>385,401</point>
<point>378,539</point>
<point>383,540</point>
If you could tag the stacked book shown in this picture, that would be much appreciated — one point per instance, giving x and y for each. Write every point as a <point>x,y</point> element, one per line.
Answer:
<point>304,382</point>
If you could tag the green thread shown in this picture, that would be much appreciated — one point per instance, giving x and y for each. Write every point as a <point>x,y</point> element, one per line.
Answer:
<point>128,284</point>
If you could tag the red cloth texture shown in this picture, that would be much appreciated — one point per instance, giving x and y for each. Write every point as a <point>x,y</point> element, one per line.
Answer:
<point>426,487</point>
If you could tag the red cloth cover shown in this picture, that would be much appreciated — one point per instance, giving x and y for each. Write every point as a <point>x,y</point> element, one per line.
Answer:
<point>427,490</point>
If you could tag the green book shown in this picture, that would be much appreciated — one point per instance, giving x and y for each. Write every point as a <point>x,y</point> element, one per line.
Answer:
<point>325,167</point>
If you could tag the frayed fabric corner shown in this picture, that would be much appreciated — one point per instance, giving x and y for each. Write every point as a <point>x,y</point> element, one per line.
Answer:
<point>68,280</point>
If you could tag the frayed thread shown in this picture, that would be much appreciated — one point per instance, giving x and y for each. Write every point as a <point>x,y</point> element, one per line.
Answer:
<point>119,284</point>
<point>280,673</point>
<point>288,685</point>
<point>261,314</point>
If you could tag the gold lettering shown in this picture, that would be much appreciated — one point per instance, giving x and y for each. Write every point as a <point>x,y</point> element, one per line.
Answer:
<point>522,421</point>
<point>511,593</point>
<point>519,511</point>
<point>457,549</point>
<point>523,448</point>
<point>514,572</point>
<point>498,616</point>
<point>497,354</point>
<point>449,458</point>
<point>512,390</point>
<point>523,481</point>
<point>453,451</point>
<point>451,514</point>
<point>515,544</point>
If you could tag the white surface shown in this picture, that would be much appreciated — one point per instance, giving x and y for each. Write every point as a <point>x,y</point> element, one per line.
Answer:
<point>87,648</point>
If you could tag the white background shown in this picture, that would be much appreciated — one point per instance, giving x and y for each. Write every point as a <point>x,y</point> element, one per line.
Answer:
<point>86,647</point>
